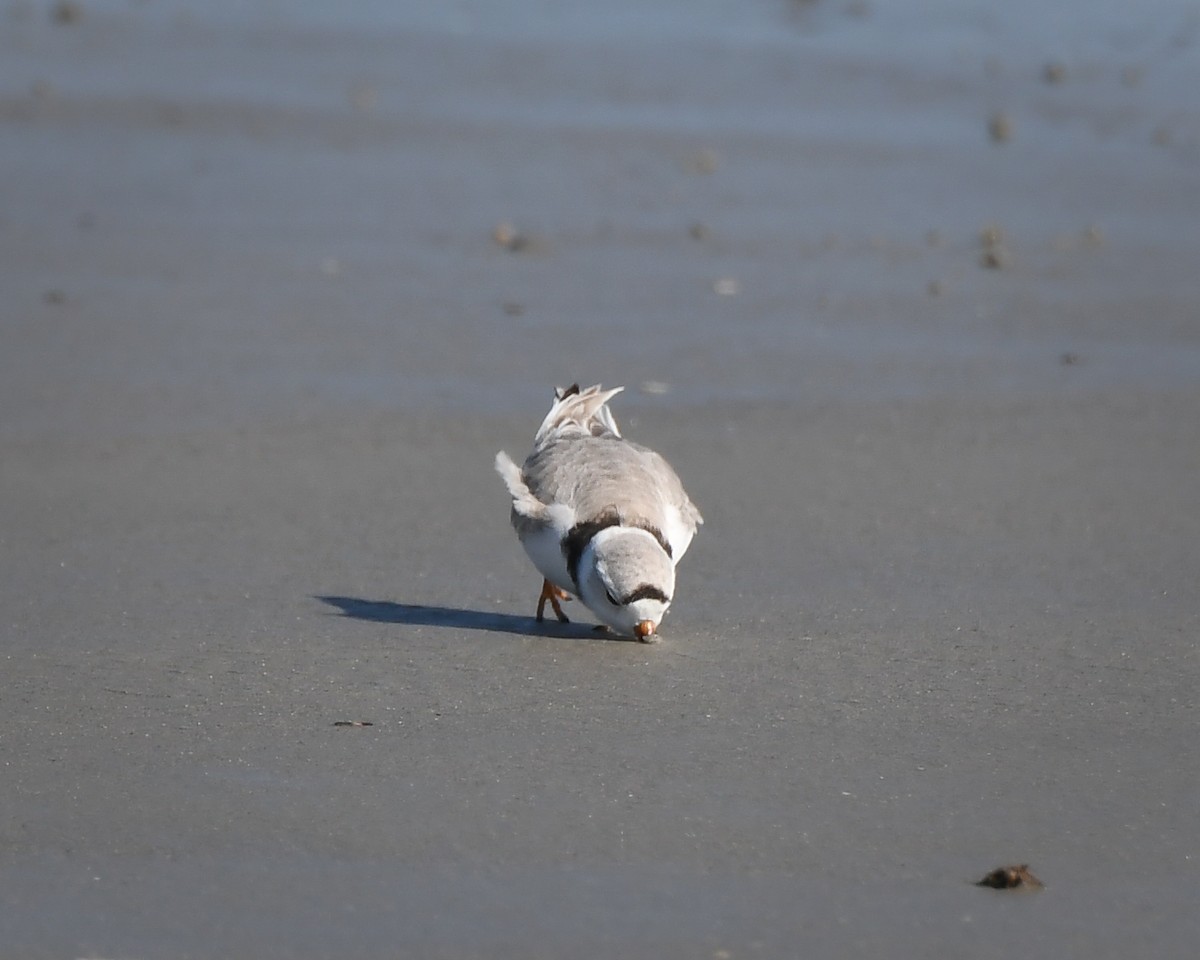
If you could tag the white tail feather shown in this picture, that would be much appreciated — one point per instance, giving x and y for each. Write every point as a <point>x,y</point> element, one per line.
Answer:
<point>579,411</point>
<point>524,502</point>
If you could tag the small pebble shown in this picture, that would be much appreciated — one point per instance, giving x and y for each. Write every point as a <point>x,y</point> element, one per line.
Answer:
<point>503,233</point>
<point>509,237</point>
<point>1054,73</point>
<point>994,258</point>
<point>67,11</point>
<point>1000,127</point>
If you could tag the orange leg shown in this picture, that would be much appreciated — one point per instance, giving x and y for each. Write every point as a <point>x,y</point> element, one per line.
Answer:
<point>553,594</point>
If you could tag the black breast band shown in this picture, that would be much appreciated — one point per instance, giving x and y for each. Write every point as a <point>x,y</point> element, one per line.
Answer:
<point>580,535</point>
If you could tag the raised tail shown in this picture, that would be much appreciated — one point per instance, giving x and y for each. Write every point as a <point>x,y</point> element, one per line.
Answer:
<point>524,502</point>
<point>578,411</point>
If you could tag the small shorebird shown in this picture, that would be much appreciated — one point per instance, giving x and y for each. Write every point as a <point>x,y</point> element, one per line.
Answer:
<point>602,518</point>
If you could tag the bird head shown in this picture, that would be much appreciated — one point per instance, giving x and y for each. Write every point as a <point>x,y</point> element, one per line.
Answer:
<point>627,580</point>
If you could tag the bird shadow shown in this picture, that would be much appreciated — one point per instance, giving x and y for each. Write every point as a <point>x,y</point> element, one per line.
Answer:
<point>419,615</point>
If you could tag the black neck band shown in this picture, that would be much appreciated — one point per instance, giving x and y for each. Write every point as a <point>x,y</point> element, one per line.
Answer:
<point>580,535</point>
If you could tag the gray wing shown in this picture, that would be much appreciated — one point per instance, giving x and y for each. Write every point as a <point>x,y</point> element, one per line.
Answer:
<point>594,475</point>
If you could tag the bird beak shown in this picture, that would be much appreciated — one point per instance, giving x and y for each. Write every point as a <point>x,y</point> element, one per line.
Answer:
<point>644,629</point>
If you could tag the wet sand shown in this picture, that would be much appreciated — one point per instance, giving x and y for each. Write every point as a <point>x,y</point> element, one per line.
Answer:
<point>261,345</point>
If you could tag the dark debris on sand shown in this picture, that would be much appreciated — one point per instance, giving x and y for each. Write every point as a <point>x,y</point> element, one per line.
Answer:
<point>1011,878</point>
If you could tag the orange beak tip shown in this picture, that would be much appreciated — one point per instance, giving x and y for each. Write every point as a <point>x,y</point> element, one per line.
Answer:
<point>645,630</point>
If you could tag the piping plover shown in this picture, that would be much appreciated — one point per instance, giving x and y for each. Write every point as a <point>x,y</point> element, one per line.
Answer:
<point>602,518</point>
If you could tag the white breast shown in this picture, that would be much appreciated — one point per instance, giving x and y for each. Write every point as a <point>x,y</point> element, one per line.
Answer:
<point>544,547</point>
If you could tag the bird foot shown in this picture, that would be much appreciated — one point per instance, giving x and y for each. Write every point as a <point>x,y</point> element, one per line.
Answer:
<point>554,595</point>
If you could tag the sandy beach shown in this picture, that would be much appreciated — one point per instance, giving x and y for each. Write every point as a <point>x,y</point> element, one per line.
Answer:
<point>910,299</point>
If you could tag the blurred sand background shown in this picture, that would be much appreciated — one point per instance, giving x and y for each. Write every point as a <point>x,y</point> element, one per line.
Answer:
<point>908,292</point>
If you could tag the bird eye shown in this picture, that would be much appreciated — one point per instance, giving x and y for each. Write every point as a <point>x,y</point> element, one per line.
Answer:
<point>611,599</point>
